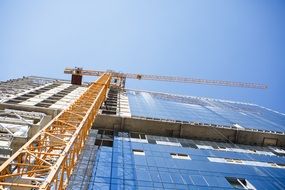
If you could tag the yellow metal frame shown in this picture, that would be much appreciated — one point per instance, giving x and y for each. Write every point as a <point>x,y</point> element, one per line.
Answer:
<point>47,160</point>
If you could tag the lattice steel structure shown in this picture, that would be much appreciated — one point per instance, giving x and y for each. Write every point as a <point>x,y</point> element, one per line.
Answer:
<point>47,160</point>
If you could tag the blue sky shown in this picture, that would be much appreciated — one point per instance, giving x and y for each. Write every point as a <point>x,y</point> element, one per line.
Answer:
<point>237,40</point>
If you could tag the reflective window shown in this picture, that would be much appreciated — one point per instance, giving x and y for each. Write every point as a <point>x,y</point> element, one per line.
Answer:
<point>138,152</point>
<point>137,165</point>
<point>204,111</point>
<point>180,156</point>
<point>239,183</point>
<point>168,143</point>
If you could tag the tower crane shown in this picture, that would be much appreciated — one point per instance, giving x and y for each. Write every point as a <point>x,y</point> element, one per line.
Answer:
<point>48,159</point>
<point>77,74</point>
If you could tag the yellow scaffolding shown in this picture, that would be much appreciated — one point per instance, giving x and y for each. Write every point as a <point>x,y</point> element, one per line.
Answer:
<point>47,160</point>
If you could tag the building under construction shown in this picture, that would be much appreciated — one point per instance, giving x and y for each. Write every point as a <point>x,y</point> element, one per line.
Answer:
<point>59,134</point>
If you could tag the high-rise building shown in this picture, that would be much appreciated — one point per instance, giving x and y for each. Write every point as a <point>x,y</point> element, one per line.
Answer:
<point>153,140</point>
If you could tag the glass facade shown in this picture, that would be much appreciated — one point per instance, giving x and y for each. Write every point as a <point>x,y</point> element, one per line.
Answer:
<point>203,110</point>
<point>140,161</point>
<point>139,164</point>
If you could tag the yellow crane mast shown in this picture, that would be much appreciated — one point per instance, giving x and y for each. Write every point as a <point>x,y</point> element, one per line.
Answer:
<point>47,160</point>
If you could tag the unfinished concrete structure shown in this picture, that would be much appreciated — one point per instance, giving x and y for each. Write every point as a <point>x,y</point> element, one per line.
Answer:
<point>27,105</point>
<point>153,140</point>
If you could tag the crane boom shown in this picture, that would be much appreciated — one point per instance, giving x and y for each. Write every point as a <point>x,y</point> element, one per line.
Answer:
<point>47,160</point>
<point>166,78</point>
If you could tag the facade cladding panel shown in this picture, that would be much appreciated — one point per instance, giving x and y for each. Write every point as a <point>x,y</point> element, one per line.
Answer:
<point>203,110</point>
<point>132,164</point>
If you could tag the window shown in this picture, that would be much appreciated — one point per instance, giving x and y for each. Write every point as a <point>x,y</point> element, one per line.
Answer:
<point>230,160</point>
<point>278,151</point>
<point>273,165</point>
<point>188,145</point>
<point>180,156</point>
<point>237,161</point>
<point>281,165</point>
<point>104,138</point>
<point>205,147</point>
<point>240,183</point>
<point>103,142</point>
<point>105,134</point>
<point>168,143</point>
<point>246,162</point>
<point>138,152</point>
<point>222,148</point>
<point>138,135</point>
<point>151,141</point>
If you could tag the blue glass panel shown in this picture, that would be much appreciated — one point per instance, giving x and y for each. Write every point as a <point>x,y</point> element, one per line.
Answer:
<point>177,178</point>
<point>130,182</point>
<point>140,160</point>
<point>127,187</point>
<point>101,186</point>
<point>181,187</point>
<point>117,186</point>
<point>143,175</point>
<point>103,171</point>
<point>157,185</point>
<point>169,186</point>
<point>198,180</point>
<point>158,170</point>
<point>144,104</point>
<point>217,181</point>
<point>117,172</point>
<point>155,176</point>
<point>102,179</point>
<point>145,183</point>
<point>267,184</point>
<point>186,178</point>
<point>165,177</point>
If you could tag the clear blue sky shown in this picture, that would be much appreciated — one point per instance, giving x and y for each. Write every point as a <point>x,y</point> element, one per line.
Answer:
<point>238,40</point>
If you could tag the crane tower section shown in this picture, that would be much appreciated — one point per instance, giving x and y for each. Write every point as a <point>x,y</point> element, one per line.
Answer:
<point>47,160</point>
